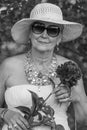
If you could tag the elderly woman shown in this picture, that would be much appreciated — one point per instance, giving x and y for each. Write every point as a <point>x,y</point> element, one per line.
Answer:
<point>34,73</point>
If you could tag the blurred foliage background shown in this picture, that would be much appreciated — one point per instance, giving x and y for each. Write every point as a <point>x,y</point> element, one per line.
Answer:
<point>74,10</point>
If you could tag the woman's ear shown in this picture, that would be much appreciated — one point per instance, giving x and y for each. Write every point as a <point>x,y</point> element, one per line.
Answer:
<point>30,32</point>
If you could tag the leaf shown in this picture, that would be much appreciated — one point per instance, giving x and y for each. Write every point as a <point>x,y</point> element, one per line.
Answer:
<point>26,111</point>
<point>35,102</point>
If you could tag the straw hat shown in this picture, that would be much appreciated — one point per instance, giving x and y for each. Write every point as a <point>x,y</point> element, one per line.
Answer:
<point>45,12</point>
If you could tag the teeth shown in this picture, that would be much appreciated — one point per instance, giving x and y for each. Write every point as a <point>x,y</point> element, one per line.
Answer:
<point>44,42</point>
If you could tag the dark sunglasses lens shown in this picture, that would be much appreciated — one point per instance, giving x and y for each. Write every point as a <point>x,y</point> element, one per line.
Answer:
<point>53,31</point>
<point>38,28</point>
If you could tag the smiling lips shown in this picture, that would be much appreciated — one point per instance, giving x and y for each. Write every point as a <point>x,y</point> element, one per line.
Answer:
<point>44,42</point>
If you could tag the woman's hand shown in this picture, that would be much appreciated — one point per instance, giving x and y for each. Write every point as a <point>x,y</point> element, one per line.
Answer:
<point>15,121</point>
<point>62,93</point>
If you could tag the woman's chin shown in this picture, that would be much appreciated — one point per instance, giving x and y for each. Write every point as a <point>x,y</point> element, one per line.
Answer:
<point>43,49</point>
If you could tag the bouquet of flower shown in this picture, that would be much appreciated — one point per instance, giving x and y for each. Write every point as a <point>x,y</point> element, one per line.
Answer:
<point>68,73</point>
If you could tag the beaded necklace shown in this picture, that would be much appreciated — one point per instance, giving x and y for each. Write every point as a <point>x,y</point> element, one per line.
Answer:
<point>36,77</point>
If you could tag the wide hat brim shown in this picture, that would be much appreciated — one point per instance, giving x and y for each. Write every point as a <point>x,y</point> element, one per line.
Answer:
<point>20,30</point>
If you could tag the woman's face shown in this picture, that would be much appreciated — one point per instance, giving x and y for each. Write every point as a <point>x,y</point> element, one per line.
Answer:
<point>45,36</point>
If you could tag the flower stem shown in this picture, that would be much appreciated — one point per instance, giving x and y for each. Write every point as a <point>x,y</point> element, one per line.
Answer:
<point>48,97</point>
<point>52,91</point>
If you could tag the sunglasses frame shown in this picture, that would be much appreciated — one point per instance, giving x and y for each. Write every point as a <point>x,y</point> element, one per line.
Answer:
<point>40,24</point>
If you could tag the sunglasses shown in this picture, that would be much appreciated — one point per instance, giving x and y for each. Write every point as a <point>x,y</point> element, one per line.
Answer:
<point>52,30</point>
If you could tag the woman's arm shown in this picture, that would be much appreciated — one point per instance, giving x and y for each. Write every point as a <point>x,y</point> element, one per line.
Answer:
<point>79,100</point>
<point>10,117</point>
<point>3,77</point>
<point>78,96</point>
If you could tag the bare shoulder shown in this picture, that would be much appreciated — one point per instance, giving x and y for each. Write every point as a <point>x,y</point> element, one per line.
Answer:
<point>10,63</point>
<point>61,59</point>
<point>13,61</point>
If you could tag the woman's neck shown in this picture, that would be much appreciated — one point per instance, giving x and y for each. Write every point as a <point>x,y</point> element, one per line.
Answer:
<point>41,57</point>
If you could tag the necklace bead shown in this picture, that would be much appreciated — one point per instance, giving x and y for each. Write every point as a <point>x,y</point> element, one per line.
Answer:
<point>37,77</point>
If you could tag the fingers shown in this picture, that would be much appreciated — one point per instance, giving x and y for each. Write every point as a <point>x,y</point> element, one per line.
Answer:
<point>18,122</point>
<point>62,94</point>
<point>24,122</point>
<point>64,100</point>
<point>17,126</point>
<point>10,126</point>
<point>61,90</point>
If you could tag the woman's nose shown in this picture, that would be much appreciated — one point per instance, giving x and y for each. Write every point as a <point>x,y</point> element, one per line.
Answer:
<point>44,34</point>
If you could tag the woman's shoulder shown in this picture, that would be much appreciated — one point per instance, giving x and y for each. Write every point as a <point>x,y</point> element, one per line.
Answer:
<point>10,62</point>
<point>62,59</point>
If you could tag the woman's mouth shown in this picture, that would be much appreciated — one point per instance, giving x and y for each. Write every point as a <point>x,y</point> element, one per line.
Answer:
<point>44,42</point>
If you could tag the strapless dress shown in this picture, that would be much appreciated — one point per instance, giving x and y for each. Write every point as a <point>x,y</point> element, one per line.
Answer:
<point>20,96</point>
